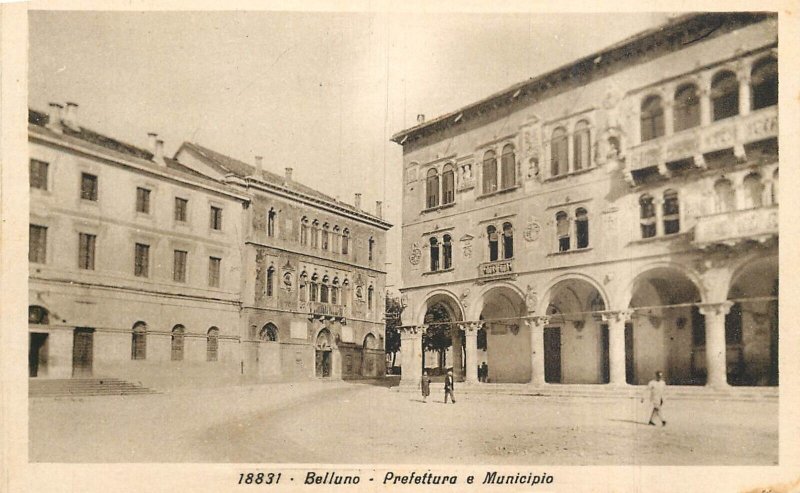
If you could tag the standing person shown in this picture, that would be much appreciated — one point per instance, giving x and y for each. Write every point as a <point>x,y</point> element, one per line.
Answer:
<point>484,372</point>
<point>425,386</point>
<point>656,390</point>
<point>449,384</point>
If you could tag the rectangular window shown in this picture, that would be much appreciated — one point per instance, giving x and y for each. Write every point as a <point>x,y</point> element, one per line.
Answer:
<point>37,244</point>
<point>141,265</point>
<point>88,187</point>
<point>180,209</point>
<point>86,251</point>
<point>179,266</point>
<point>38,175</point>
<point>213,271</point>
<point>216,218</point>
<point>142,200</point>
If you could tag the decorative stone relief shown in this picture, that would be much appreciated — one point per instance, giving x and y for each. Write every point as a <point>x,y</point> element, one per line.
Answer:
<point>415,255</point>
<point>466,178</point>
<point>531,299</point>
<point>466,245</point>
<point>532,230</point>
<point>465,298</point>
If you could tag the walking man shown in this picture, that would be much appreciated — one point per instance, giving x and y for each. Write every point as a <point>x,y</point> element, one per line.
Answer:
<point>448,387</point>
<point>656,390</point>
<point>425,386</point>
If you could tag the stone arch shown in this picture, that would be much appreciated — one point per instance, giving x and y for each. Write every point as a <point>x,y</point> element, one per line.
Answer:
<point>623,296</point>
<point>508,341</point>
<point>448,298</point>
<point>476,308</point>
<point>577,276</point>
<point>268,333</point>
<point>38,315</point>
<point>370,341</point>
<point>324,340</point>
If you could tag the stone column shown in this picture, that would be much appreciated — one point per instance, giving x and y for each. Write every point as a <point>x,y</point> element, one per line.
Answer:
<point>411,350</point>
<point>616,344</point>
<point>669,117</point>
<point>458,368</point>
<point>715,343</point>
<point>744,93</point>
<point>536,325</point>
<point>659,204</point>
<point>471,334</point>
<point>705,106</point>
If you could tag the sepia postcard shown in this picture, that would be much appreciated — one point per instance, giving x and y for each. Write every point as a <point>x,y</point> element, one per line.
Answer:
<point>373,246</point>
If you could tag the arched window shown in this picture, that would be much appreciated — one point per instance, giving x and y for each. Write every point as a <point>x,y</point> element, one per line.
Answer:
<point>581,228</point>
<point>38,315</point>
<point>489,172</point>
<point>753,191</point>
<point>325,236</point>
<point>315,234</point>
<point>448,184</point>
<point>652,118</point>
<point>371,243</point>
<point>494,250</point>
<point>774,190</point>
<point>764,83</point>
<point>434,254</point>
<point>508,167</point>
<point>270,287</point>
<point>508,240</point>
<point>271,222</point>
<point>336,239</point>
<point>686,108</point>
<point>671,210</point>
<point>581,145</point>
<point>725,198</point>
<point>335,291</point>
<point>562,231</point>
<point>370,297</point>
<point>432,189</point>
<point>303,291</point>
<point>268,333</point>
<point>139,341</point>
<point>345,241</point>
<point>724,95</point>
<point>447,252</point>
<point>323,290</point>
<point>212,344</point>
<point>304,231</point>
<point>313,288</point>
<point>177,342</point>
<point>559,152</point>
<point>647,216</point>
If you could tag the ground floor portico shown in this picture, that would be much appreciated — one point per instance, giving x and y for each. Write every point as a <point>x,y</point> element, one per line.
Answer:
<point>703,320</point>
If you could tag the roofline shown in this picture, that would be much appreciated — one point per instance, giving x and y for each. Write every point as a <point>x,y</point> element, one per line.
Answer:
<point>37,132</point>
<point>526,88</point>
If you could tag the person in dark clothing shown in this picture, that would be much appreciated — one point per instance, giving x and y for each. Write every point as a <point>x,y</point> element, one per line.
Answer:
<point>449,385</point>
<point>484,372</point>
<point>425,386</point>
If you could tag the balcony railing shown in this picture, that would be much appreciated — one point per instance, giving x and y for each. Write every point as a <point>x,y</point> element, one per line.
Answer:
<point>496,269</point>
<point>731,227</point>
<point>729,133</point>
<point>325,310</point>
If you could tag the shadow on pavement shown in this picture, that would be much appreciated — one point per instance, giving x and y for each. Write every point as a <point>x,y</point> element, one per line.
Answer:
<point>629,421</point>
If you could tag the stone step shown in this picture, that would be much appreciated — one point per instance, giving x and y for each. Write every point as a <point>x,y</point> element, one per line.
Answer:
<point>84,387</point>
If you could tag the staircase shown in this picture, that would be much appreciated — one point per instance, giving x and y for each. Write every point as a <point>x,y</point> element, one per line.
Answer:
<point>83,387</point>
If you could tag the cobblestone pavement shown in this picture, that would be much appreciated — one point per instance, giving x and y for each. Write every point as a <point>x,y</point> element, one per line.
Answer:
<point>336,422</point>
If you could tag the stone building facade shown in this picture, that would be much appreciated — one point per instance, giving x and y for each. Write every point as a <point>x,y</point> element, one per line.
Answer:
<point>197,269</point>
<point>135,266</point>
<point>611,218</point>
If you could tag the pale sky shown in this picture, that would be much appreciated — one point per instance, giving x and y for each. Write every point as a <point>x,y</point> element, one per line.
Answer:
<point>320,92</point>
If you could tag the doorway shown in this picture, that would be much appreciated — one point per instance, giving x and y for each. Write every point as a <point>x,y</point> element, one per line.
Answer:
<point>37,354</point>
<point>323,363</point>
<point>552,354</point>
<point>630,377</point>
<point>82,352</point>
<point>605,368</point>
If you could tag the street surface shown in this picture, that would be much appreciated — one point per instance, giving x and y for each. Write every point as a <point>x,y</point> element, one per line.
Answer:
<point>361,423</point>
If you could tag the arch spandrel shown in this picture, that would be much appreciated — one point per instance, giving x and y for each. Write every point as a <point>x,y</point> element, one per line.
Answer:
<point>476,307</point>
<point>549,291</point>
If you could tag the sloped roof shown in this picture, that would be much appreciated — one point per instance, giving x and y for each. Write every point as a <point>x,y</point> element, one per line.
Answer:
<point>42,119</point>
<point>226,164</point>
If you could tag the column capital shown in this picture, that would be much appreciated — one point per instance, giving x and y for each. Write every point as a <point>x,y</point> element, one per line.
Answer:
<point>412,330</point>
<point>617,315</point>
<point>539,321</point>
<point>471,328</point>
<point>718,309</point>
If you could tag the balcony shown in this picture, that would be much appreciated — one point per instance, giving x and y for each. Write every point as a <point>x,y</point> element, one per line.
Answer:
<point>733,227</point>
<point>497,269</point>
<point>730,133</point>
<point>325,311</point>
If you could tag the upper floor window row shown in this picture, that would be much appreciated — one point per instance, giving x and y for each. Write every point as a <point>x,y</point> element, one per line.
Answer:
<point>655,220</point>
<point>501,243</point>
<point>440,190</point>
<point>441,253</point>
<point>570,153</point>
<point>323,236</point>
<point>572,232</point>
<point>502,177</point>
<point>754,191</point>
<point>729,95</point>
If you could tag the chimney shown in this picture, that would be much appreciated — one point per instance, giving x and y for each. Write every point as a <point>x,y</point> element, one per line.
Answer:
<point>158,152</point>
<point>260,166</point>
<point>357,202</point>
<point>151,141</point>
<point>288,174</point>
<point>421,118</point>
<point>71,116</point>
<point>379,208</point>
<point>54,117</point>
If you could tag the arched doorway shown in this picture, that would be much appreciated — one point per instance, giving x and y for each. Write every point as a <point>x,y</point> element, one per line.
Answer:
<point>38,347</point>
<point>576,341</point>
<point>443,341</point>
<point>268,352</point>
<point>667,330</point>
<point>751,325</point>
<point>324,352</point>
<point>508,341</point>
<point>369,354</point>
